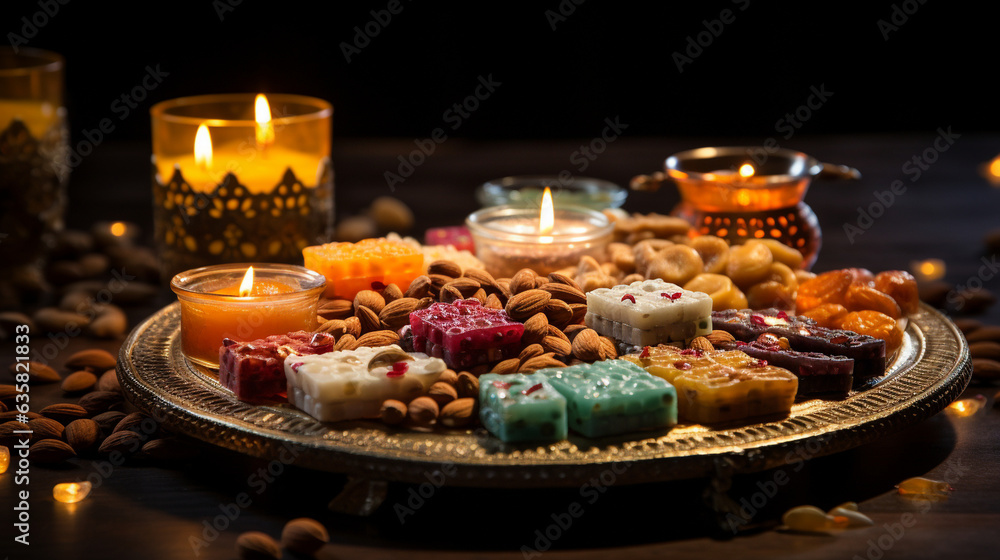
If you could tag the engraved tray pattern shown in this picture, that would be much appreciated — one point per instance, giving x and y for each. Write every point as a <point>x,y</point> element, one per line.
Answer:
<point>928,373</point>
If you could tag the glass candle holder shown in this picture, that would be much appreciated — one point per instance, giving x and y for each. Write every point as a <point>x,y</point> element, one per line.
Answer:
<point>508,238</point>
<point>234,181</point>
<point>283,299</point>
<point>527,190</point>
<point>33,154</point>
<point>740,193</point>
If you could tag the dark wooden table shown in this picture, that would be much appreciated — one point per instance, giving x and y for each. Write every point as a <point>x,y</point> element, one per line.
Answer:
<point>140,509</point>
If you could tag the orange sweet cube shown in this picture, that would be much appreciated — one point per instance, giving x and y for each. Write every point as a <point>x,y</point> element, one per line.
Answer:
<point>365,265</point>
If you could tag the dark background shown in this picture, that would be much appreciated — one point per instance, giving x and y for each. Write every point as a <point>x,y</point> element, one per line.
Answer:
<point>602,60</point>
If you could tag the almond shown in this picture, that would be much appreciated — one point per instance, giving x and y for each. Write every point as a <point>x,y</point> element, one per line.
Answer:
<point>333,327</point>
<point>480,295</point>
<point>467,385</point>
<point>701,343</point>
<point>535,329</point>
<point>93,359</point>
<point>522,281</point>
<point>423,411</point>
<point>442,393</point>
<point>559,313</point>
<point>7,435</point>
<point>565,292</point>
<point>485,279</point>
<point>458,413</point>
<point>420,287</point>
<point>391,293</point>
<point>719,337</point>
<point>539,362</point>
<point>552,330</point>
<point>378,338</point>
<point>125,442</point>
<point>346,342</point>
<point>8,393</point>
<point>967,325</point>
<point>304,536</point>
<point>466,286</point>
<point>986,349</point>
<point>579,313</point>
<point>493,302</point>
<point>448,376</point>
<point>609,350</point>
<point>450,294</point>
<point>82,434</point>
<point>985,332</point>
<point>560,278</point>
<point>109,382</point>
<point>444,268</point>
<point>64,413</point>
<point>45,428</point>
<point>437,282</point>
<point>56,320</point>
<point>557,346</point>
<point>257,545</point>
<point>983,369</point>
<point>37,372</point>
<point>392,412</point>
<point>523,305</point>
<point>368,319</point>
<point>51,451</point>
<point>370,299</point>
<point>530,351</point>
<point>396,315</point>
<point>108,420</point>
<point>335,309</point>
<point>14,414</point>
<point>79,381</point>
<point>506,366</point>
<point>352,326</point>
<point>97,402</point>
<point>587,345</point>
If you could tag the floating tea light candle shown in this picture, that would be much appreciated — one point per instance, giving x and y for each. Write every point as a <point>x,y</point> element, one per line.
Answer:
<point>243,303</point>
<point>509,238</point>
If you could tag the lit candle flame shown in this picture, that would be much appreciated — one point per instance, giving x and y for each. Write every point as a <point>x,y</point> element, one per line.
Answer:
<point>118,229</point>
<point>246,286</point>
<point>71,492</point>
<point>203,148</point>
<point>967,407</point>
<point>546,218</point>
<point>746,170</point>
<point>4,459</point>
<point>265,130</point>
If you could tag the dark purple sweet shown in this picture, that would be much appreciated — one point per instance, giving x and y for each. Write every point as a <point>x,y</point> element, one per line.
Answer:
<point>817,373</point>
<point>255,370</point>
<point>804,335</point>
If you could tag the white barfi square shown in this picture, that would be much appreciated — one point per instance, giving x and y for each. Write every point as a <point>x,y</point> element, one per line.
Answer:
<point>649,312</point>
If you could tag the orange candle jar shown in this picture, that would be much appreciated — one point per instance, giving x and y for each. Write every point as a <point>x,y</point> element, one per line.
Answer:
<point>217,303</point>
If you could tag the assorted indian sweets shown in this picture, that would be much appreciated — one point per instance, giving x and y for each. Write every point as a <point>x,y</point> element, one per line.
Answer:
<point>669,328</point>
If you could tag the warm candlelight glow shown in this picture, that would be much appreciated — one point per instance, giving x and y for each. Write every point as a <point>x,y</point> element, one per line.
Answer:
<point>746,170</point>
<point>546,218</point>
<point>118,229</point>
<point>246,286</point>
<point>262,114</point>
<point>4,459</point>
<point>928,270</point>
<point>71,492</point>
<point>967,407</point>
<point>203,148</point>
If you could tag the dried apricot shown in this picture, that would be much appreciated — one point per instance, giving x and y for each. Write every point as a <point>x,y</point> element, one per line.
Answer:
<point>860,297</point>
<point>878,325</point>
<point>900,286</point>
<point>828,287</point>
<point>860,276</point>
<point>828,315</point>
